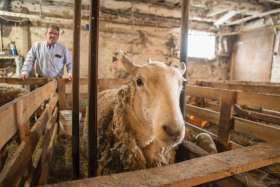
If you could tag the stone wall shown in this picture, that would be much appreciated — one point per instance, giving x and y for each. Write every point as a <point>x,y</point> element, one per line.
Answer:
<point>140,42</point>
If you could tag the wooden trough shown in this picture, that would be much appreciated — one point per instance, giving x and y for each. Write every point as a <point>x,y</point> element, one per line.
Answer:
<point>236,159</point>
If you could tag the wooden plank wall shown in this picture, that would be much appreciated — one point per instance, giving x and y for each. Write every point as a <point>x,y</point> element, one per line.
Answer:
<point>251,63</point>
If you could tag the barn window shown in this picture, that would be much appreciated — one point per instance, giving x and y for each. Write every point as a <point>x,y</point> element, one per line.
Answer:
<point>201,44</point>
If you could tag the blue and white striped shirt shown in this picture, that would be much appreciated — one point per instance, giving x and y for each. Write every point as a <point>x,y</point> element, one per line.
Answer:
<point>49,61</point>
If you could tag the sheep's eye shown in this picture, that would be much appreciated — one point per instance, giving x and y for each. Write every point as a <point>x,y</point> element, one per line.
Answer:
<point>139,82</point>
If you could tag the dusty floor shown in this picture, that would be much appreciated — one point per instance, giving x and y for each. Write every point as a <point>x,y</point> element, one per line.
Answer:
<point>61,163</point>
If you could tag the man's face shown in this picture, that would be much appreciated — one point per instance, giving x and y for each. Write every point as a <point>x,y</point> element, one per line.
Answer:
<point>52,36</point>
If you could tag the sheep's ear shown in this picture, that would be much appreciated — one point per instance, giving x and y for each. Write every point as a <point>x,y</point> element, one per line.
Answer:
<point>183,68</point>
<point>120,56</point>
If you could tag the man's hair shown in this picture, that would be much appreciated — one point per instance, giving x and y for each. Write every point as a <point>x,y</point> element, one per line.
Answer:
<point>53,27</point>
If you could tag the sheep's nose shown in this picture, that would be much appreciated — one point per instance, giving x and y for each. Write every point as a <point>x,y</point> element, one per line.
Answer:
<point>172,132</point>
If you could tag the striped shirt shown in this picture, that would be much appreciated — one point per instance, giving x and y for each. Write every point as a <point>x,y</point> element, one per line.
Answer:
<point>49,61</point>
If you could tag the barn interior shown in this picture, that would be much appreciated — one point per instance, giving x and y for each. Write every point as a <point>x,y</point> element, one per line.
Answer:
<point>232,90</point>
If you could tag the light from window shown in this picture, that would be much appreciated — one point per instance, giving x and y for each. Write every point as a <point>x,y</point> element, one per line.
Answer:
<point>201,44</point>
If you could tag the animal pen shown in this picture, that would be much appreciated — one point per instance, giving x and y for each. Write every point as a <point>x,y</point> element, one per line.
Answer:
<point>30,124</point>
<point>258,108</point>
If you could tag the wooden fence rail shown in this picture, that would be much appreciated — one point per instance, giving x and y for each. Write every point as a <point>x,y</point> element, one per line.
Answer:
<point>192,172</point>
<point>253,87</point>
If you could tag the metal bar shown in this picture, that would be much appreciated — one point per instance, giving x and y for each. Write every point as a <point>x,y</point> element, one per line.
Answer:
<point>76,90</point>
<point>183,59</point>
<point>184,46</point>
<point>92,89</point>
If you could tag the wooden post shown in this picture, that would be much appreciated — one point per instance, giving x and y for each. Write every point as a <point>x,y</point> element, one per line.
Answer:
<point>61,93</point>
<point>92,89</point>
<point>76,90</point>
<point>22,124</point>
<point>228,99</point>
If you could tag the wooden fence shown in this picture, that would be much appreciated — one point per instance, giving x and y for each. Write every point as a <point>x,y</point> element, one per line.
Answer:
<point>15,115</point>
<point>209,168</point>
<point>15,119</point>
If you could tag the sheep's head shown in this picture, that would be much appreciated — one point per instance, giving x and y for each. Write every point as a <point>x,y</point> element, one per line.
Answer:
<point>156,100</point>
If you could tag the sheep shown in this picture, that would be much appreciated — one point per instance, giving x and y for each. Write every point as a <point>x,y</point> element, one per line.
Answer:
<point>206,142</point>
<point>140,124</point>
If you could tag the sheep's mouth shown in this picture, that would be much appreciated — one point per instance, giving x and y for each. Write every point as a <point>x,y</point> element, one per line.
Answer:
<point>172,141</point>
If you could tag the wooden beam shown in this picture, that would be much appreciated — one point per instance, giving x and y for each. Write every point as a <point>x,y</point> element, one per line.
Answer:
<point>246,6</point>
<point>50,133</point>
<point>122,16</point>
<point>271,1</point>
<point>253,87</point>
<point>192,172</point>
<point>28,81</point>
<point>134,10</point>
<point>214,12</point>
<point>255,116</point>
<point>267,101</point>
<point>224,18</point>
<point>225,121</point>
<point>214,93</point>
<point>203,113</point>
<point>37,17</point>
<point>262,131</point>
<point>245,178</point>
<point>25,106</point>
<point>260,15</point>
<point>61,84</point>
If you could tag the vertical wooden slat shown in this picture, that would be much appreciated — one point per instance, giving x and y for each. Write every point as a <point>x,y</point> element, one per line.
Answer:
<point>50,130</point>
<point>22,123</point>
<point>76,90</point>
<point>61,93</point>
<point>92,88</point>
<point>226,121</point>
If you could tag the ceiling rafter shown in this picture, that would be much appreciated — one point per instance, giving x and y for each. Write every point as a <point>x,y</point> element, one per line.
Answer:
<point>249,18</point>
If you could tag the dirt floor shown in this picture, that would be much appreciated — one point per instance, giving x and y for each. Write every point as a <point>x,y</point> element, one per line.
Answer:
<point>61,163</point>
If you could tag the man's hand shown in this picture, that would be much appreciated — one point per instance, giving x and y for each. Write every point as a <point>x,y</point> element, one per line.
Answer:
<point>69,76</point>
<point>24,76</point>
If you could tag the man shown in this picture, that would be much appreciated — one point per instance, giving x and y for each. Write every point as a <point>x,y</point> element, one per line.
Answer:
<point>49,57</point>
